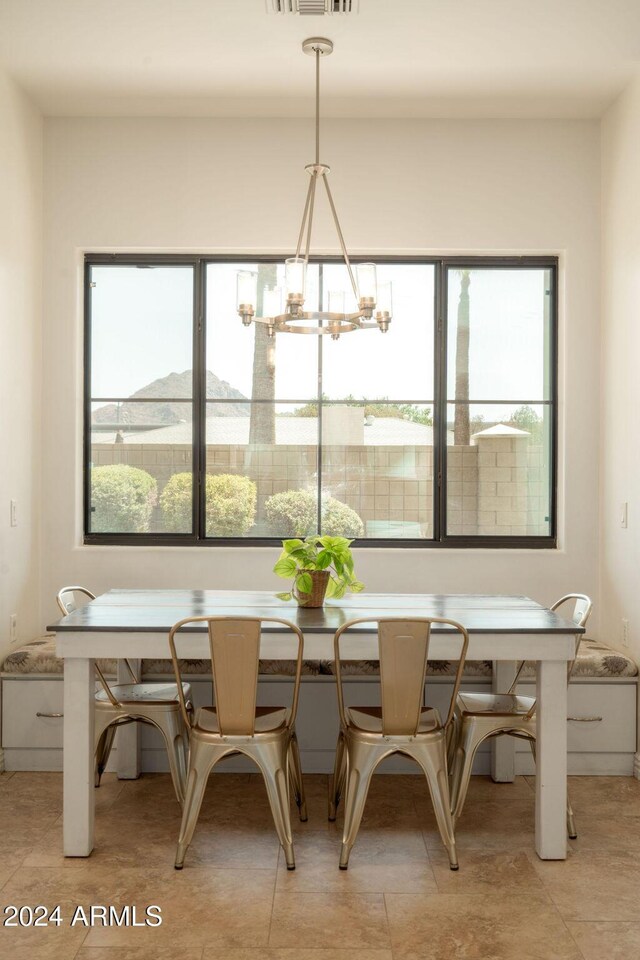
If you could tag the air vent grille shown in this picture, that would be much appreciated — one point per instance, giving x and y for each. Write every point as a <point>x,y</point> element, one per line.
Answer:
<point>312,8</point>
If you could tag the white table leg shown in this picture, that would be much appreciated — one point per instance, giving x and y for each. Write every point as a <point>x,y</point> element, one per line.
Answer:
<point>128,736</point>
<point>551,760</point>
<point>503,749</point>
<point>78,757</point>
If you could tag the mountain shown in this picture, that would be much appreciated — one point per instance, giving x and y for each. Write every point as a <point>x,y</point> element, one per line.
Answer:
<point>175,385</point>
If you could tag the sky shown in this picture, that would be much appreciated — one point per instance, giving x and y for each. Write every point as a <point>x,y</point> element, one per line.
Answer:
<point>142,330</point>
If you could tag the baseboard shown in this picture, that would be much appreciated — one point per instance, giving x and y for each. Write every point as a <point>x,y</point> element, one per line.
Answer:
<point>587,765</point>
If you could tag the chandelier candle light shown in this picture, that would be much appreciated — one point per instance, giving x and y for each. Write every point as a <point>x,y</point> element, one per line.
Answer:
<point>373,299</point>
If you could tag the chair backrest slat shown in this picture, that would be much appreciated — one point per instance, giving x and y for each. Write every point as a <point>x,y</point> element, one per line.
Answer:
<point>234,644</point>
<point>67,601</point>
<point>404,648</point>
<point>235,654</point>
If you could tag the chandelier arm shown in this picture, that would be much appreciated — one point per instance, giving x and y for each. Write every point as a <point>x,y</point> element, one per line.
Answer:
<point>314,179</point>
<point>340,237</point>
<point>304,217</point>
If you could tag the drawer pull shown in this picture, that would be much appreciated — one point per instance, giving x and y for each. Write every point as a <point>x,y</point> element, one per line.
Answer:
<point>585,719</point>
<point>38,714</point>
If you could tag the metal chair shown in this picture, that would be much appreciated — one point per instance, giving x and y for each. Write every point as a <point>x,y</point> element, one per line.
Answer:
<point>479,716</point>
<point>237,725</point>
<point>401,725</point>
<point>157,704</point>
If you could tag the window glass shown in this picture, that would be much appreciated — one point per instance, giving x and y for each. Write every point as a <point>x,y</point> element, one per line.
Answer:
<point>296,435</point>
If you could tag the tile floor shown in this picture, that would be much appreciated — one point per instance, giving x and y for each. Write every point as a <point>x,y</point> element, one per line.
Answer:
<point>398,901</point>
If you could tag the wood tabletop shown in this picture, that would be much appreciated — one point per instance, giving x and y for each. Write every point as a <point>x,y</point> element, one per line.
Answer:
<point>155,611</point>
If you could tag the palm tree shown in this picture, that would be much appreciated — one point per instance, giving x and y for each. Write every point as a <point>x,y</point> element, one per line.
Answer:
<point>461,431</point>
<point>262,426</point>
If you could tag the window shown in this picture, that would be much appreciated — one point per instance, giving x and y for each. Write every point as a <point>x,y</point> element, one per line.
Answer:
<point>440,432</point>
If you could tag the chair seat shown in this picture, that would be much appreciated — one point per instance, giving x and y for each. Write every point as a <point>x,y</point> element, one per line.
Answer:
<point>369,719</point>
<point>144,693</point>
<point>268,719</point>
<point>498,704</point>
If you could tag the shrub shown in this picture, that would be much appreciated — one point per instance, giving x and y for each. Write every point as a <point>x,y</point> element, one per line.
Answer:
<point>339,520</point>
<point>176,503</point>
<point>294,513</point>
<point>230,504</point>
<point>122,499</point>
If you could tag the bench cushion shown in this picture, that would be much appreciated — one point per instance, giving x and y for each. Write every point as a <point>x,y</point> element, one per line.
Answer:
<point>39,656</point>
<point>595,659</point>
<point>436,668</point>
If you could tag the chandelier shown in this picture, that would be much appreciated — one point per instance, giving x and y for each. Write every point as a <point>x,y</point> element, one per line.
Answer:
<point>373,300</point>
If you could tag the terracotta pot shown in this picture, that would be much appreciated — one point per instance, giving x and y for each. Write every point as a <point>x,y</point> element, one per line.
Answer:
<point>320,579</point>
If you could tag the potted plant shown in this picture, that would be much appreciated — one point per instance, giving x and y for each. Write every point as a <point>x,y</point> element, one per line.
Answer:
<point>319,566</point>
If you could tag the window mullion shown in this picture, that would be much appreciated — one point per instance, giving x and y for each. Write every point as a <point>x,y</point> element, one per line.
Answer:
<point>199,400</point>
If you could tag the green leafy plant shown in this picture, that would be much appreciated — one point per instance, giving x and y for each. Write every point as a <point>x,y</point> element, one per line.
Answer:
<point>230,504</point>
<point>300,558</point>
<point>122,499</point>
<point>295,514</point>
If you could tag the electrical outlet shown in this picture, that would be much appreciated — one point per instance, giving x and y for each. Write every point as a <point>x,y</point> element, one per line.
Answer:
<point>13,627</point>
<point>625,632</point>
<point>624,515</point>
<point>13,511</point>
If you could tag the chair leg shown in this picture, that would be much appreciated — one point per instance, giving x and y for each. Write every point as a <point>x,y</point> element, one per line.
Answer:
<point>295,774</point>
<point>201,761</point>
<point>453,732</point>
<point>172,728</point>
<point>339,776</point>
<point>363,759</point>
<point>468,743</point>
<point>271,757</point>
<point>432,757</point>
<point>105,732</point>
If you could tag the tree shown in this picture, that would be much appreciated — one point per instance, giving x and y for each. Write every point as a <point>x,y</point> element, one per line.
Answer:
<point>461,430</point>
<point>526,418</point>
<point>262,426</point>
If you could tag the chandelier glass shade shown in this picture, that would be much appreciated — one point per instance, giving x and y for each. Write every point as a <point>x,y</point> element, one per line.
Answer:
<point>283,307</point>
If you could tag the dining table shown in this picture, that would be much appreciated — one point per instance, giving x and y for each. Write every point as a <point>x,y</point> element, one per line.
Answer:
<point>135,624</point>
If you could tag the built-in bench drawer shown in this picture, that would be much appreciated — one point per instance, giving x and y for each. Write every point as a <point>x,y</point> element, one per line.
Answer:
<point>602,716</point>
<point>23,703</point>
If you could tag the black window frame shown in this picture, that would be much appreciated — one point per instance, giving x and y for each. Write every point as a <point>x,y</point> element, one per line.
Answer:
<point>441,539</point>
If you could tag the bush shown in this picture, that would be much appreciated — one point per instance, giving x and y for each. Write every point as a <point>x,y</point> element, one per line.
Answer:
<point>176,503</point>
<point>339,520</point>
<point>122,499</point>
<point>294,513</point>
<point>230,504</point>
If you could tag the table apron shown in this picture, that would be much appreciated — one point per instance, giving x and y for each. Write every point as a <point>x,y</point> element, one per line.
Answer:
<point>317,646</point>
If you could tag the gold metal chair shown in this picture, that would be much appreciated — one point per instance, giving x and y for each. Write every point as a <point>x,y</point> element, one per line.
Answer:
<point>479,716</point>
<point>401,725</point>
<point>157,704</point>
<point>237,725</point>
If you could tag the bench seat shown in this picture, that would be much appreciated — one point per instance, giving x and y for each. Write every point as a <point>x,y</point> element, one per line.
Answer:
<point>595,659</point>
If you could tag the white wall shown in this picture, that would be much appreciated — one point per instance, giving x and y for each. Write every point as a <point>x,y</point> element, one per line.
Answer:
<point>620,555</point>
<point>400,187</point>
<point>20,367</point>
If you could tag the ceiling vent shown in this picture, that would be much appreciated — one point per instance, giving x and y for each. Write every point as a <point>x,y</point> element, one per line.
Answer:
<point>312,8</point>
